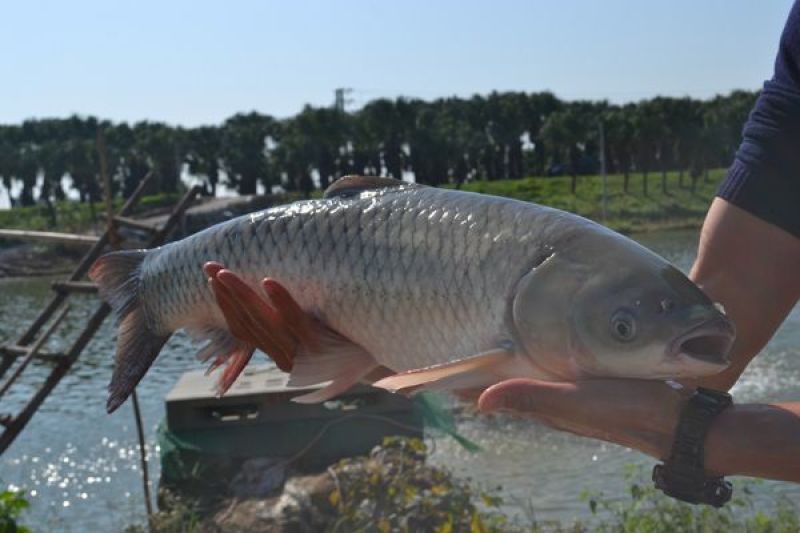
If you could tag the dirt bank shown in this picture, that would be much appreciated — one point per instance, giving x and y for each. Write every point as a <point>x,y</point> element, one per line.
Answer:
<point>37,260</point>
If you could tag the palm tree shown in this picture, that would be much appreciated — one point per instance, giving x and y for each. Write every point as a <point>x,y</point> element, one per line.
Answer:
<point>243,150</point>
<point>619,131</point>
<point>204,145</point>
<point>9,160</point>
<point>158,145</point>
<point>53,168</point>
<point>567,132</point>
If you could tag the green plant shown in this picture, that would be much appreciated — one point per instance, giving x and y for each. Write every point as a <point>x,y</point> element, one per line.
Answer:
<point>12,503</point>
<point>647,510</point>
<point>176,515</point>
<point>394,490</point>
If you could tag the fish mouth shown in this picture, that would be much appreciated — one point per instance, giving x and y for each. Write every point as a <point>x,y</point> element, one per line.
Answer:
<point>709,342</point>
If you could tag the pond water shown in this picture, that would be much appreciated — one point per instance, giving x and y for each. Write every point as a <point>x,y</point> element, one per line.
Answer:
<point>80,466</point>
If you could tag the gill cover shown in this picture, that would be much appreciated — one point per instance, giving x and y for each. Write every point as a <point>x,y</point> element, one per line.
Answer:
<point>541,314</point>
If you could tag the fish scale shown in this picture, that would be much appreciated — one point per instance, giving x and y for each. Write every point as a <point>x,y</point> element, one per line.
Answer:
<point>376,250</point>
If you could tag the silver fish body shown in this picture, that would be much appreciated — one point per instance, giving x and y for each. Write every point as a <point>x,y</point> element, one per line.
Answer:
<point>417,277</point>
<point>420,277</point>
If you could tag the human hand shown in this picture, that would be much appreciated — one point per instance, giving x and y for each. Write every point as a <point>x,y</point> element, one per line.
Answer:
<point>635,413</point>
<point>272,321</point>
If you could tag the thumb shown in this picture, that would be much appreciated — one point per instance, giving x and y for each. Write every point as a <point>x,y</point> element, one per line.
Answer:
<point>529,396</point>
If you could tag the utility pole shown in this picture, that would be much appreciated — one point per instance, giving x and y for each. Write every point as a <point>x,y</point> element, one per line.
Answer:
<point>340,101</point>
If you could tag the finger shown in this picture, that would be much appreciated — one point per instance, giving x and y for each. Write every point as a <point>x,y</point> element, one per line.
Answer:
<point>244,312</point>
<point>636,413</point>
<point>230,311</point>
<point>211,268</point>
<point>293,317</point>
<point>218,361</point>
<point>236,363</point>
<point>563,406</point>
<point>528,396</point>
<point>252,307</point>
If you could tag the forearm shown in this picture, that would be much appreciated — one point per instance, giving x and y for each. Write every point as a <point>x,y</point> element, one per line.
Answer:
<point>756,440</point>
<point>750,267</point>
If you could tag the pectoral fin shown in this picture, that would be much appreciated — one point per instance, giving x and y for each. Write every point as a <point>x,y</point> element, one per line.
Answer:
<point>336,359</point>
<point>479,370</point>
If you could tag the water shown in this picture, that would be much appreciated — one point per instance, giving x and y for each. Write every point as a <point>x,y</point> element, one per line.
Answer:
<point>80,466</point>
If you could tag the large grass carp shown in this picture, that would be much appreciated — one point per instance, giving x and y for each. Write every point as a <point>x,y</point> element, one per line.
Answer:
<point>447,289</point>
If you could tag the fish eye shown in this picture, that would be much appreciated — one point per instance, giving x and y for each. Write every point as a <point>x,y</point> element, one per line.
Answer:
<point>623,326</point>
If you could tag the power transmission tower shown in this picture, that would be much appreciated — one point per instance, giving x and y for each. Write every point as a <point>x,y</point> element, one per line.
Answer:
<point>340,101</point>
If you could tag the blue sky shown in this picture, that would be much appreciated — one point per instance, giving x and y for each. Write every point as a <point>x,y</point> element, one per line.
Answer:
<point>199,62</point>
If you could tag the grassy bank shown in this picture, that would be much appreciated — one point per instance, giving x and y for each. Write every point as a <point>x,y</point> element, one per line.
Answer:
<point>631,212</point>
<point>679,207</point>
<point>71,216</point>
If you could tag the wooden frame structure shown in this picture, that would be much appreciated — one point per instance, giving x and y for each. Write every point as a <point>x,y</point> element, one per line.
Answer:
<point>29,347</point>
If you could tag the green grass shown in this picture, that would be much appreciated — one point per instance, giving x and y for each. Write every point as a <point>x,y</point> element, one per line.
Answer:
<point>72,216</point>
<point>632,212</point>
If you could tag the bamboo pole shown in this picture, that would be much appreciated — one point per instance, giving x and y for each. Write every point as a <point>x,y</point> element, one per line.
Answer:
<point>114,240</point>
<point>63,365</point>
<point>137,414</point>
<point>10,352</point>
<point>33,351</point>
<point>85,287</point>
<point>48,236</point>
<point>23,417</point>
<point>79,271</point>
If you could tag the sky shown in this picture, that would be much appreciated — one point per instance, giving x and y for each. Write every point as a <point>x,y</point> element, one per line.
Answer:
<point>199,62</point>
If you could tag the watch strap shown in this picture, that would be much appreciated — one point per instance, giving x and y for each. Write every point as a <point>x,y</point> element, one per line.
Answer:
<point>682,475</point>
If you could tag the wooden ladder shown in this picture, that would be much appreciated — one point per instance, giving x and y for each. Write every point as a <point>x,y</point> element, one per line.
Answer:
<point>29,347</point>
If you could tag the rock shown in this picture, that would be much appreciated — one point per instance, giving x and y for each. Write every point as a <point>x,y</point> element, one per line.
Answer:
<point>258,477</point>
<point>303,506</point>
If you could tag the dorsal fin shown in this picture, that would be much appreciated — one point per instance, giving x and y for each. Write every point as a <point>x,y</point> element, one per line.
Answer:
<point>348,185</point>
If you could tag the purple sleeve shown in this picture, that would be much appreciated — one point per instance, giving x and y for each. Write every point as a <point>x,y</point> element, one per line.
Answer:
<point>764,178</point>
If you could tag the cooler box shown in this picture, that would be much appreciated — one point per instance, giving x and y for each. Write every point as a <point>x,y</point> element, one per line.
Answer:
<point>205,438</point>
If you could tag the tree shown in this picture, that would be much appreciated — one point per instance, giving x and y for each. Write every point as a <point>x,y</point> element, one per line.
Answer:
<point>620,138</point>
<point>447,139</point>
<point>203,149</point>
<point>243,150</point>
<point>568,132</point>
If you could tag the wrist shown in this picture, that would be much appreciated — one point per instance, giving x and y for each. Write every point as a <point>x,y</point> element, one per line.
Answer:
<point>665,423</point>
<point>720,442</point>
<point>684,474</point>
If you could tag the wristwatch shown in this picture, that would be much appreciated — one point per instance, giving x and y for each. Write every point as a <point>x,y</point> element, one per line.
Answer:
<point>682,475</point>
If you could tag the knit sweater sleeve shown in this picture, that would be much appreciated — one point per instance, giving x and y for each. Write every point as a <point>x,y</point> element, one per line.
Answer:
<point>764,178</point>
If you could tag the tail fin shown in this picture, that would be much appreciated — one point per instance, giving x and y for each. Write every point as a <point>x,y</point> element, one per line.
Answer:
<point>118,277</point>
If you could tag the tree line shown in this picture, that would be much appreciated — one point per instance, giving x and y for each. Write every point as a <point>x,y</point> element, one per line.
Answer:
<point>502,135</point>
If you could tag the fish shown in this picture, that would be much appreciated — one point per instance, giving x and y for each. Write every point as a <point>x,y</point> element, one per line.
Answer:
<point>422,288</point>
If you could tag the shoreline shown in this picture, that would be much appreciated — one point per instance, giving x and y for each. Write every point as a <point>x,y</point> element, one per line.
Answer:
<point>629,213</point>
<point>25,261</point>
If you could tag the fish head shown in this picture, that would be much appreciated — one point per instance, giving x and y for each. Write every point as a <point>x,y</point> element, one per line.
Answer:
<point>645,324</point>
<point>619,310</point>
